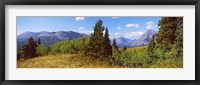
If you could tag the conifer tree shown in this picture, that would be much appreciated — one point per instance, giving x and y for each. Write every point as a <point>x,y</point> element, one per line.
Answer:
<point>39,41</point>
<point>151,44</point>
<point>115,44</point>
<point>106,44</point>
<point>29,49</point>
<point>96,39</point>
<point>31,46</point>
<point>125,48</point>
<point>166,36</point>
<point>170,36</point>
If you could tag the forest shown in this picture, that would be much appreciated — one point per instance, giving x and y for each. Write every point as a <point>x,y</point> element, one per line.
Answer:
<point>165,50</point>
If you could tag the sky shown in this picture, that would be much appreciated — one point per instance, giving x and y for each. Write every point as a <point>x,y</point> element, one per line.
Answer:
<point>130,27</point>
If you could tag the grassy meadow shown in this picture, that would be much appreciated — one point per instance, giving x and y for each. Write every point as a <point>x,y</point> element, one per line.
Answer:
<point>64,61</point>
<point>79,60</point>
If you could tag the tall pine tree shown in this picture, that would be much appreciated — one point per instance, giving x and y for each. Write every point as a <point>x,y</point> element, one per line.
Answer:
<point>96,39</point>
<point>114,44</point>
<point>99,44</point>
<point>167,34</point>
<point>170,36</point>
<point>31,47</point>
<point>39,41</point>
<point>151,44</point>
<point>125,48</point>
<point>28,50</point>
<point>106,44</point>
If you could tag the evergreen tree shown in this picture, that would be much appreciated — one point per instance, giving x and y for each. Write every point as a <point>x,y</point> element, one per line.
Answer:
<point>151,44</point>
<point>177,49</point>
<point>107,48</point>
<point>39,41</point>
<point>70,38</point>
<point>29,49</point>
<point>170,36</point>
<point>96,39</point>
<point>31,46</point>
<point>166,36</point>
<point>115,44</point>
<point>125,48</point>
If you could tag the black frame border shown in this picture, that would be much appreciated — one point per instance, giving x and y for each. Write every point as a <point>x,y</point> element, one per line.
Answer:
<point>98,2</point>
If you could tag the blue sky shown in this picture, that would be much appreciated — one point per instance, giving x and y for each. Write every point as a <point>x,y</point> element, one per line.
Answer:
<point>130,27</point>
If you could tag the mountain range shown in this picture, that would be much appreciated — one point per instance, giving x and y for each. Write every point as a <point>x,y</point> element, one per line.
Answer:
<point>141,41</point>
<point>49,38</point>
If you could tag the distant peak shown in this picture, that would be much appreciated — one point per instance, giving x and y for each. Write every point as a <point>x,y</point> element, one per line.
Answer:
<point>43,31</point>
<point>151,30</point>
<point>27,32</point>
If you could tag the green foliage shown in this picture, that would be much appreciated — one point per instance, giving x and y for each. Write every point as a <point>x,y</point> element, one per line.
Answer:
<point>130,58</point>
<point>99,44</point>
<point>115,44</point>
<point>168,51</point>
<point>169,38</point>
<point>151,44</point>
<point>42,49</point>
<point>167,35</point>
<point>28,50</point>
<point>158,54</point>
<point>96,39</point>
<point>107,48</point>
<point>70,46</point>
<point>20,54</point>
<point>167,63</point>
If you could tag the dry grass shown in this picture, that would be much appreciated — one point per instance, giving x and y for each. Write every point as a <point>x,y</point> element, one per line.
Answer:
<point>63,61</point>
<point>81,61</point>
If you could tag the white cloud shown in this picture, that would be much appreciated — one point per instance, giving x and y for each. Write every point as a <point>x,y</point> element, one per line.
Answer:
<point>150,25</point>
<point>132,25</point>
<point>133,35</point>
<point>117,34</point>
<point>115,17</point>
<point>83,30</point>
<point>79,18</point>
<point>118,27</point>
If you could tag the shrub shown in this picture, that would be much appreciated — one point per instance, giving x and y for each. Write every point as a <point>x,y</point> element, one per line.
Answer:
<point>42,49</point>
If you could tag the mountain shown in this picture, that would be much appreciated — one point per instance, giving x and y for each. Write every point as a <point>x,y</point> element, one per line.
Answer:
<point>143,40</point>
<point>48,38</point>
<point>122,41</point>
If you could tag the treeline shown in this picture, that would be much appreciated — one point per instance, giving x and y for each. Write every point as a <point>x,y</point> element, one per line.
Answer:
<point>37,48</point>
